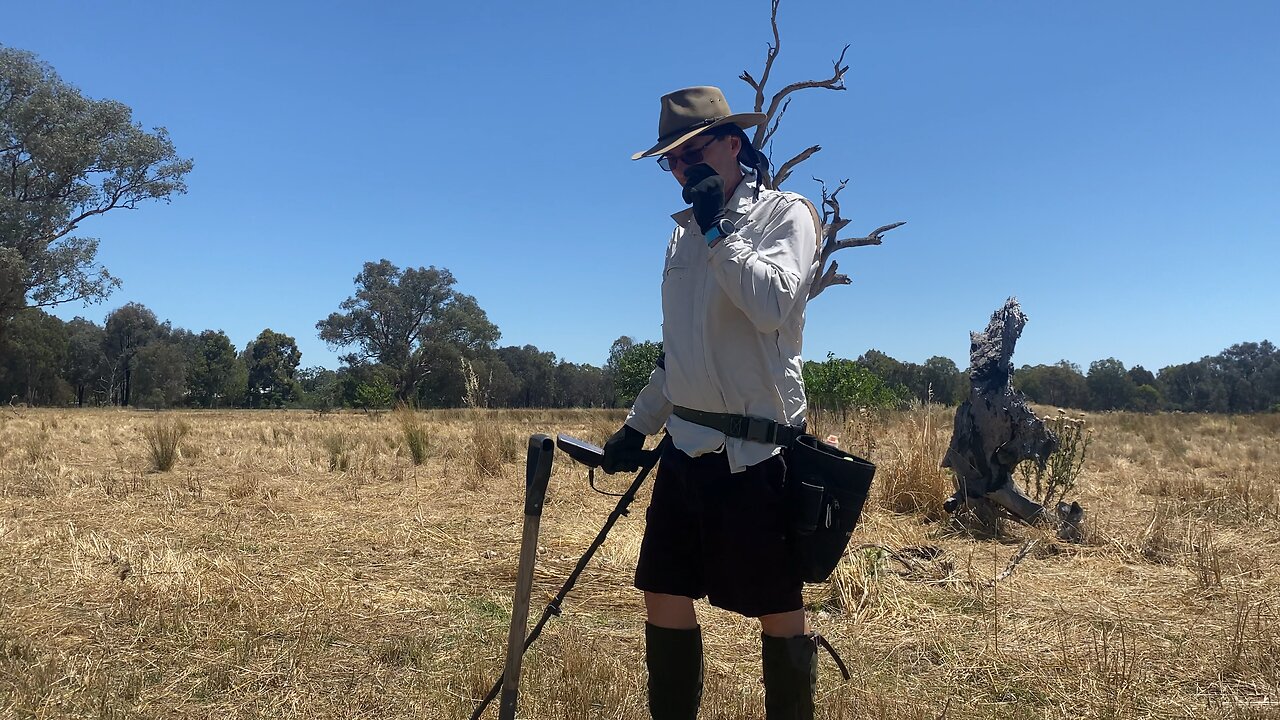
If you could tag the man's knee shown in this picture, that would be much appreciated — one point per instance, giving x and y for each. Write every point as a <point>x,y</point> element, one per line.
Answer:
<point>670,611</point>
<point>784,625</point>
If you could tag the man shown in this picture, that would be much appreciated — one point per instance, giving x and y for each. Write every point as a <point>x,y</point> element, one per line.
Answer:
<point>734,288</point>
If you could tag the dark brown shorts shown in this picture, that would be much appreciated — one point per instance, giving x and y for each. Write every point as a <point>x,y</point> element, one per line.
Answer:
<point>711,533</point>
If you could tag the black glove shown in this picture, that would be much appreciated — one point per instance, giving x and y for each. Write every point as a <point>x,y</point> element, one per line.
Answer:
<point>623,451</point>
<point>704,189</point>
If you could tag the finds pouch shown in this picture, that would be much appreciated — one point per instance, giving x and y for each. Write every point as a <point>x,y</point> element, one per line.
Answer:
<point>826,489</point>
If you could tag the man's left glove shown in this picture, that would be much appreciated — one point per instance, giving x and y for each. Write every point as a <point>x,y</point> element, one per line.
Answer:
<point>704,189</point>
<point>623,451</point>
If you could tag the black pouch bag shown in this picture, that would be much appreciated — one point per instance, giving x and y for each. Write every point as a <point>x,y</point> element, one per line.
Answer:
<point>826,489</point>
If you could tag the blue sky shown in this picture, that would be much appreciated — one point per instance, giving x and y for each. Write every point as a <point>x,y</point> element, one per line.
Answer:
<point>1116,166</point>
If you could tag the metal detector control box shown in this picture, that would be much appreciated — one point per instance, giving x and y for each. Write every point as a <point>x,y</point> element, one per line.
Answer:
<point>580,450</point>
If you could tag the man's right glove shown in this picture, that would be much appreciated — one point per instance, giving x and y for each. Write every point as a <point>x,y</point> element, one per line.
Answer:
<point>623,451</point>
<point>704,190</point>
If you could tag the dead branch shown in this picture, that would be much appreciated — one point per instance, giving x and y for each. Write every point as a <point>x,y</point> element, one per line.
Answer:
<point>826,279</point>
<point>1017,558</point>
<point>770,56</point>
<point>835,82</point>
<point>871,239</point>
<point>832,222</point>
<point>768,136</point>
<point>785,171</point>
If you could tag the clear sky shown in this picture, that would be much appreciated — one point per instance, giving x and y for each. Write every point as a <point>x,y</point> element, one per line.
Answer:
<point>1115,165</point>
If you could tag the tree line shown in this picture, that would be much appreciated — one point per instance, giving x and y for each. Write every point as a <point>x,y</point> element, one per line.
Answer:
<point>135,360</point>
<point>418,341</point>
<point>1244,378</point>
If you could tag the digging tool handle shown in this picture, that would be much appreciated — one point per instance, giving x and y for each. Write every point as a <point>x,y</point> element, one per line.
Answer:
<point>537,474</point>
<point>553,607</point>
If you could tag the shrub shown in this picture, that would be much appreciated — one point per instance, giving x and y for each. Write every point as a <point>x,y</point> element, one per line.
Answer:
<point>339,447</point>
<point>374,394</point>
<point>415,434</point>
<point>1048,483</point>
<point>163,438</point>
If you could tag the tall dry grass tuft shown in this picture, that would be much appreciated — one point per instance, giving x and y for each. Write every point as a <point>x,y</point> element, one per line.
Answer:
<point>163,438</point>
<point>339,446</point>
<point>492,445</point>
<point>414,432</point>
<point>911,480</point>
<point>855,581</point>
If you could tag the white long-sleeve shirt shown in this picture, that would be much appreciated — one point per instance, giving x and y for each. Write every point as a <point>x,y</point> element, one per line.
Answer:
<point>732,321</point>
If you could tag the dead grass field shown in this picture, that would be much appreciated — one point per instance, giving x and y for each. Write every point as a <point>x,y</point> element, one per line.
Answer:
<point>303,566</point>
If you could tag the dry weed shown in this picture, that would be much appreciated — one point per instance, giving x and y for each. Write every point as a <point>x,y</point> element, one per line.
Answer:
<point>163,438</point>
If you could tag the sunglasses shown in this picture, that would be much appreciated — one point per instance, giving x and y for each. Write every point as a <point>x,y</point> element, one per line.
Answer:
<point>693,156</point>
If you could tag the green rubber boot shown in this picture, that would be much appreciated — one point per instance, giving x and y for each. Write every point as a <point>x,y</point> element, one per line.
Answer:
<point>790,676</point>
<point>674,659</point>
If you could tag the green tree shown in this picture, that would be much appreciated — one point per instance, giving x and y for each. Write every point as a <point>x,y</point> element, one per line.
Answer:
<point>840,385</point>
<point>535,373</point>
<point>400,318</point>
<point>1147,398</point>
<point>892,372</point>
<point>31,355</point>
<point>83,368</point>
<point>213,370</point>
<point>580,386</point>
<point>272,361</point>
<point>1140,376</point>
<point>1194,387</point>
<point>940,378</point>
<point>630,365</point>
<point>159,375</point>
<point>128,329</point>
<point>1061,384</point>
<point>66,158</point>
<point>375,394</point>
<point>496,383</point>
<point>318,387</point>
<point>1109,385</point>
<point>1247,371</point>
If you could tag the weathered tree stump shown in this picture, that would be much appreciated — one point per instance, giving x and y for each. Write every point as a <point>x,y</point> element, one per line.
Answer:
<point>995,430</point>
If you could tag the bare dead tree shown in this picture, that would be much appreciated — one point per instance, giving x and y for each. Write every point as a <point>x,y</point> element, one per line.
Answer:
<point>832,222</point>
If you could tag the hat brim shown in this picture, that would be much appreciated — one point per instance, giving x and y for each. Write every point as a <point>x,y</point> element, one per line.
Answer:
<point>742,120</point>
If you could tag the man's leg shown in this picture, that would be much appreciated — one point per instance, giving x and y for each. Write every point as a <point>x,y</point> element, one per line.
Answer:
<point>673,654</point>
<point>789,655</point>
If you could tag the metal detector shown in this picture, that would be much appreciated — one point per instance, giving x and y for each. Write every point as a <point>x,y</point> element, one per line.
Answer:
<point>539,471</point>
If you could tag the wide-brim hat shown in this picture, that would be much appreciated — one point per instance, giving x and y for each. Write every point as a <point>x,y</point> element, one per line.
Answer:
<point>691,111</point>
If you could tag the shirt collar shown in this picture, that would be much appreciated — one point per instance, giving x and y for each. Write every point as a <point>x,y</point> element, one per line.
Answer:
<point>739,203</point>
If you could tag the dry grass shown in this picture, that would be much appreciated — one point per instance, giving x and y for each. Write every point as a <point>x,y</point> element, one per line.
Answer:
<point>163,438</point>
<point>303,566</point>
<point>416,439</point>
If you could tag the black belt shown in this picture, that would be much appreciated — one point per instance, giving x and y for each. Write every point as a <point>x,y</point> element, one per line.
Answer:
<point>742,426</point>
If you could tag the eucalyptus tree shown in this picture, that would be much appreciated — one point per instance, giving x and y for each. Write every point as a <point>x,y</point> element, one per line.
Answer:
<point>66,158</point>
<point>410,321</point>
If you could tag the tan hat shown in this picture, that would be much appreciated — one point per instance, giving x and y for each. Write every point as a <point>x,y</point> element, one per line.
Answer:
<point>694,110</point>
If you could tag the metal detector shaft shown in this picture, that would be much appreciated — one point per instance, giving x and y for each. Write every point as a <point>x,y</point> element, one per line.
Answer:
<point>537,475</point>
<point>553,607</point>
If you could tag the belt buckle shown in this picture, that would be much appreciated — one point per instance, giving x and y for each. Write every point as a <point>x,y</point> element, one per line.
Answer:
<point>758,430</point>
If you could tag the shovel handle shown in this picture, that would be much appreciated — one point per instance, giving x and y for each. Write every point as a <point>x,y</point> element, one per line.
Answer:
<point>537,475</point>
